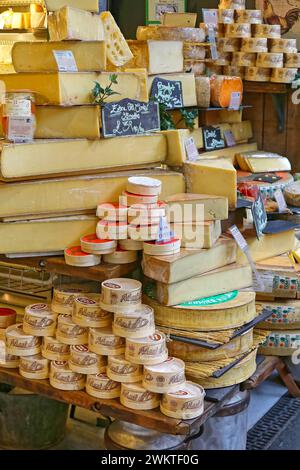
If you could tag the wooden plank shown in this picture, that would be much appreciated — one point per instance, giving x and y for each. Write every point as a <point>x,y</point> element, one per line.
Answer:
<point>263,371</point>
<point>288,379</point>
<point>274,140</point>
<point>265,87</point>
<point>293,135</point>
<point>255,114</point>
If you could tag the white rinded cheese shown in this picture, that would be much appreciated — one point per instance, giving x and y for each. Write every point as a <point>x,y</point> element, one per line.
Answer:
<point>120,370</point>
<point>292,194</point>
<point>270,60</point>
<point>144,186</point>
<point>76,257</point>
<point>88,313</point>
<point>120,256</point>
<point>54,350</point>
<point>121,295</point>
<point>64,298</point>
<point>167,377</point>
<point>102,341</point>
<point>112,230</point>
<point>69,333</point>
<point>93,245</point>
<point>83,361</point>
<point>34,367</point>
<point>20,344</point>
<point>171,247</point>
<point>187,403</point>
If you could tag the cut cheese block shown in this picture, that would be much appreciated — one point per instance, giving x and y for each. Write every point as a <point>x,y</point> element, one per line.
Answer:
<point>222,312</point>
<point>214,177</point>
<point>183,207</point>
<point>187,403</point>
<point>243,59</point>
<point>188,86</point>
<point>222,87</point>
<point>238,30</point>
<point>19,199</point>
<point>75,88</point>
<point>168,33</point>
<point>234,71</point>
<point>52,158</point>
<point>292,60</point>
<point>39,56</point>
<point>194,51</point>
<point>260,162</point>
<point>283,45</point>
<point>292,194</point>
<point>225,116</point>
<point>258,74</point>
<point>281,343</point>
<point>271,60</point>
<point>50,235</point>
<point>188,263</point>
<point>270,31</point>
<point>242,131</point>
<point>197,135</point>
<point>255,45</point>
<point>180,19</point>
<point>197,235</point>
<point>203,91</point>
<point>284,75</point>
<point>228,44</point>
<point>220,281</point>
<point>117,49</point>
<point>88,5</point>
<point>74,24</point>
<point>176,146</point>
<point>285,315</point>
<point>249,16</point>
<point>280,278</point>
<point>167,377</point>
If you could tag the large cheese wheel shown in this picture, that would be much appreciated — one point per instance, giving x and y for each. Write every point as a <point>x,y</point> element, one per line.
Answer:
<point>194,51</point>
<point>270,31</point>
<point>284,75</point>
<point>281,343</point>
<point>234,71</point>
<point>228,44</point>
<point>285,315</point>
<point>249,16</point>
<point>203,91</point>
<point>224,58</point>
<point>243,59</point>
<point>255,45</point>
<point>168,33</point>
<point>222,87</point>
<point>272,60</point>
<point>196,67</point>
<point>257,74</point>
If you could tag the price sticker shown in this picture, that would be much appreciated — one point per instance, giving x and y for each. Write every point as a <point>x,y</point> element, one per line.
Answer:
<point>18,107</point>
<point>229,139</point>
<point>191,150</point>
<point>212,41</point>
<point>65,61</point>
<point>164,233</point>
<point>279,197</point>
<point>235,101</point>
<point>210,16</point>
<point>21,129</point>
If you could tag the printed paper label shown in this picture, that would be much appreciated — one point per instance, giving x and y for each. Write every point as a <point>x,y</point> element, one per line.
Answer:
<point>191,150</point>
<point>21,129</point>
<point>235,101</point>
<point>65,61</point>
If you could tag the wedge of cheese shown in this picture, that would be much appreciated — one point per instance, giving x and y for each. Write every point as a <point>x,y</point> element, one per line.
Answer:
<point>259,162</point>
<point>189,263</point>
<point>90,56</point>
<point>53,158</point>
<point>75,88</point>
<point>214,177</point>
<point>74,24</point>
<point>44,236</point>
<point>230,152</point>
<point>216,282</point>
<point>88,5</point>
<point>188,86</point>
<point>183,207</point>
<point>169,33</point>
<point>197,235</point>
<point>117,49</point>
<point>80,194</point>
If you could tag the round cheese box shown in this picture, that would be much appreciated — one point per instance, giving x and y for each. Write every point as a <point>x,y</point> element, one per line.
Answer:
<point>144,186</point>
<point>228,44</point>
<point>283,45</point>
<point>112,230</point>
<point>88,313</point>
<point>54,350</point>
<point>137,324</point>
<point>249,16</point>
<point>102,341</point>
<point>226,16</point>
<point>281,343</point>
<point>63,378</point>
<point>19,343</point>
<point>131,199</point>
<point>70,333</point>
<point>7,317</point>
<point>258,74</point>
<point>147,351</point>
<point>120,370</point>
<point>101,386</point>
<point>255,45</point>
<point>270,60</point>
<point>121,295</point>
<point>7,361</point>
<point>76,257</point>
<point>140,214</point>
<point>136,397</point>
<point>238,30</point>
<point>270,31</point>
<point>224,58</point>
<point>292,60</point>
<point>34,367</point>
<point>39,320</point>
<point>85,362</point>
<point>64,298</point>
<point>186,403</point>
<point>234,71</point>
<point>121,257</point>
<point>167,377</point>
<point>284,75</point>
<point>143,232</point>
<point>112,212</point>
<point>194,51</point>
<point>130,245</point>
<point>171,247</point>
<point>93,245</point>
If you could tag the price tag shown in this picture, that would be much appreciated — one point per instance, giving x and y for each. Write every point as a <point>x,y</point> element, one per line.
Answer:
<point>164,233</point>
<point>279,197</point>
<point>212,41</point>
<point>21,129</point>
<point>235,101</point>
<point>210,16</point>
<point>229,139</point>
<point>191,150</point>
<point>18,108</point>
<point>65,61</point>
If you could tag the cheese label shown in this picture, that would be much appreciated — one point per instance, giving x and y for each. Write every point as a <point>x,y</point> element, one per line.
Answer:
<point>167,92</point>
<point>229,139</point>
<point>214,300</point>
<point>279,197</point>
<point>164,232</point>
<point>18,107</point>
<point>65,61</point>
<point>235,101</point>
<point>213,45</point>
<point>210,16</point>
<point>21,129</point>
<point>191,150</point>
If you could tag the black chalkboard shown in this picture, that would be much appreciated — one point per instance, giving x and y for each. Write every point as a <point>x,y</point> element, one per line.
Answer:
<point>129,117</point>
<point>260,218</point>
<point>167,92</point>
<point>212,138</point>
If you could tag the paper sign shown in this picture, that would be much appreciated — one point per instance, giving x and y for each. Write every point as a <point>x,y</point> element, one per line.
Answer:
<point>279,197</point>
<point>229,139</point>
<point>65,61</point>
<point>18,107</point>
<point>210,16</point>
<point>164,233</point>
<point>21,129</point>
<point>235,101</point>
<point>213,138</point>
<point>260,218</point>
<point>191,150</point>
<point>213,44</point>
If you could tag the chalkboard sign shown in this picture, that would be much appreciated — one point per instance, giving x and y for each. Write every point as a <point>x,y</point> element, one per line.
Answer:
<point>212,138</point>
<point>260,218</point>
<point>167,92</point>
<point>129,117</point>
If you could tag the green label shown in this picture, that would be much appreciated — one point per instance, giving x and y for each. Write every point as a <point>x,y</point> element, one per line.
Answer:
<point>215,300</point>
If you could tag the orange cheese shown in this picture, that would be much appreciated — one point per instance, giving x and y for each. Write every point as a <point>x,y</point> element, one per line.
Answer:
<point>222,87</point>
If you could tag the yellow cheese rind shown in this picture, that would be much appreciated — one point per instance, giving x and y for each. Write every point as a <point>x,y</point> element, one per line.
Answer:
<point>88,5</point>
<point>268,246</point>
<point>284,75</point>
<point>197,235</point>
<point>257,74</point>
<point>73,24</point>
<point>117,48</point>
<point>285,315</point>
<point>230,152</point>
<point>281,343</point>
<point>166,33</point>
<point>188,86</point>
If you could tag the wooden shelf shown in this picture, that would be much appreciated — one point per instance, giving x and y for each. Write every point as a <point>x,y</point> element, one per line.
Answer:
<point>112,408</point>
<point>265,87</point>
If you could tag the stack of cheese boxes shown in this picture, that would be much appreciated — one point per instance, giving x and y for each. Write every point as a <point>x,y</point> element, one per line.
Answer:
<point>253,50</point>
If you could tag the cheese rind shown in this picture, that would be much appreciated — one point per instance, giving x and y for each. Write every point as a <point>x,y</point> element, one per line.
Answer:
<point>283,45</point>
<point>197,235</point>
<point>117,48</point>
<point>88,5</point>
<point>74,24</point>
<point>285,315</point>
<point>203,91</point>
<point>166,33</point>
<point>270,31</point>
<point>281,343</point>
<point>257,74</point>
<point>259,162</point>
<point>255,45</point>
<point>270,60</point>
<point>284,75</point>
<point>183,207</point>
<point>188,86</point>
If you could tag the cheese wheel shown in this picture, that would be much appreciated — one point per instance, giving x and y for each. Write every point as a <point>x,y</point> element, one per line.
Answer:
<point>284,75</point>
<point>167,377</point>
<point>222,87</point>
<point>203,91</point>
<point>283,45</point>
<point>121,295</point>
<point>144,186</point>
<point>232,4</point>
<point>20,344</point>
<point>186,403</point>
<point>257,74</point>
<point>137,324</point>
<point>214,69</point>
<point>146,215</point>
<point>267,189</point>
<point>292,60</point>
<point>171,247</point>
<point>131,245</point>
<point>255,45</point>
<point>167,33</point>
<point>196,67</point>
<point>102,341</point>
<point>39,320</point>
<point>234,71</point>
<point>34,367</point>
<point>238,30</point>
<point>136,397</point>
<point>101,386</point>
<point>243,59</point>
<point>64,298</point>
<point>7,317</point>
<point>120,257</point>
<point>131,199</point>
<point>7,361</point>
<point>143,232</point>
<point>54,350</point>
<point>194,51</point>
<point>292,194</point>
<point>270,60</point>
<point>120,370</point>
<point>88,313</point>
<point>228,44</point>
<point>270,31</point>
<point>285,315</point>
<point>224,58</point>
<point>281,343</point>
<point>76,257</point>
<point>63,378</point>
<point>92,245</point>
<point>249,16</point>
<point>112,212</point>
<point>147,351</point>
<point>226,16</point>
<point>85,362</point>
<point>69,333</point>
<point>112,230</point>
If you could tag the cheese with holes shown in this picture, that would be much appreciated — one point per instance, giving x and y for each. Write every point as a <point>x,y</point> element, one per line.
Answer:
<point>220,281</point>
<point>285,315</point>
<point>188,86</point>
<point>271,60</point>
<point>249,16</point>
<point>189,207</point>
<point>283,45</point>
<point>214,177</point>
<point>168,33</point>
<point>270,31</point>
<point>75,88</point>
<point>260,162</point>
<point>117,49</point>
<point>74,24</point>
<point>77,194</point>
<point>255,45</point>
<point>197,235</point>
<point>281,343</point>
<point>222,88</point>
<point>203,91</point>
<point>258,74</point>
<point>51,158</point>
<point>90,56</point>
<point>88,5</point>
<point>284,75</point>
<point>243,59</point>
<point>238,30</point>
<point>50,235</point>
<point>188,263</point>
